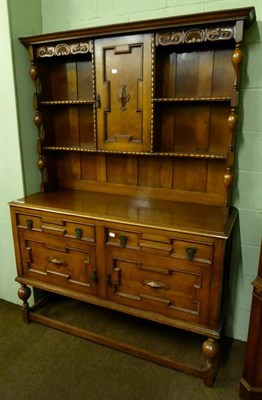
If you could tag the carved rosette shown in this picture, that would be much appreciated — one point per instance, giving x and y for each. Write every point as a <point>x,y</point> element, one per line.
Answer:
<point>64,49</point>
<point>194,36</point>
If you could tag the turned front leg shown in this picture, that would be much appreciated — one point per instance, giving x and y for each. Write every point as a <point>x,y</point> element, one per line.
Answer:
<point>24,292</point>
<point>211,350</point>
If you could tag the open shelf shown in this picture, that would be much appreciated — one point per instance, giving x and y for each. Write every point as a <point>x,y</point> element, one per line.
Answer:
<point>192,128</point>
<point>66,79</point>
<point>70,125</point>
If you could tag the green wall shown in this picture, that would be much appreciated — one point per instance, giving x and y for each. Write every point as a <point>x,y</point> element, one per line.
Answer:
<point>56,15</point>
<point>22,25</point>
<point>15,157</point>
<point>11,182</point>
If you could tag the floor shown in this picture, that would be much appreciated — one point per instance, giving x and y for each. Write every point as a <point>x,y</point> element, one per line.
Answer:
<point>39,363</point>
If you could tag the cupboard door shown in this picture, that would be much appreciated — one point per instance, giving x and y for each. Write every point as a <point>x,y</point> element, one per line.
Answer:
<point>176,289</point>
<point>58,261</point>
<point>123,92</point>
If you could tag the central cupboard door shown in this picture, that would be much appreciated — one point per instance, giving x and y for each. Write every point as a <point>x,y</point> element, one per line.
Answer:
<point>123,92</point>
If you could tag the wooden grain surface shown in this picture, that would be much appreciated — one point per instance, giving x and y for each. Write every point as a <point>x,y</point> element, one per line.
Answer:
<point>142,211</point>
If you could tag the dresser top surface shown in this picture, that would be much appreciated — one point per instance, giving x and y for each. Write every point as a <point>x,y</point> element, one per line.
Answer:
<point>153,213</point>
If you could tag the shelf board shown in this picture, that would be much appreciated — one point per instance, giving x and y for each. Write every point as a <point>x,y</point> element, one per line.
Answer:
<point>156,100</point>
<point>203,155</point>
<point>91,149</point>
<point>65,102</point>
<point>192,99</point>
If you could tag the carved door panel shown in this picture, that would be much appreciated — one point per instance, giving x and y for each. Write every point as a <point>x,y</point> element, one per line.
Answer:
<point>173,288</point>
<point>123,90</point>
<point>57,261</point>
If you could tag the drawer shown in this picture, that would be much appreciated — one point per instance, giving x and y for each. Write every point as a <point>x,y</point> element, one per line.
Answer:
<point>192,250</point>
<point>71,229</point>
<point>177,247</point>
<point>58,261</point>
<point>159,284</point>
<point>58,225</point>
<point>156,248</point>
<point>29,221</point>
<point>123,238</point>
<point>156,243</point>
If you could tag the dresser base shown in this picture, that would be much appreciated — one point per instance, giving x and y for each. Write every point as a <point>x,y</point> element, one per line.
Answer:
<point>37,313</point>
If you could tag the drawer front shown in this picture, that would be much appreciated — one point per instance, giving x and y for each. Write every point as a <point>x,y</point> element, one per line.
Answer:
<point>192,250</point>
<point>29,221</point>
<point>58,225</point>
<point>161,244</point>
<point>180,248</point>
<point>123,238</point>
<point>58,261</point>
<point>159,284</point>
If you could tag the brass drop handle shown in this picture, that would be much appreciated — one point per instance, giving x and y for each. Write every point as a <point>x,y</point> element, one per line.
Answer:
<point>29,224</point>
<point>190,251</point>
<point>94,276</point>
<point>108,279</point>
<point>123,240</point>
<point>79,233</point>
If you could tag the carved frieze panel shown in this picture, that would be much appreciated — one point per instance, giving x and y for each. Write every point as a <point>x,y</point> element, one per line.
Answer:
<point>64,49</point>
<point>194,36</point>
